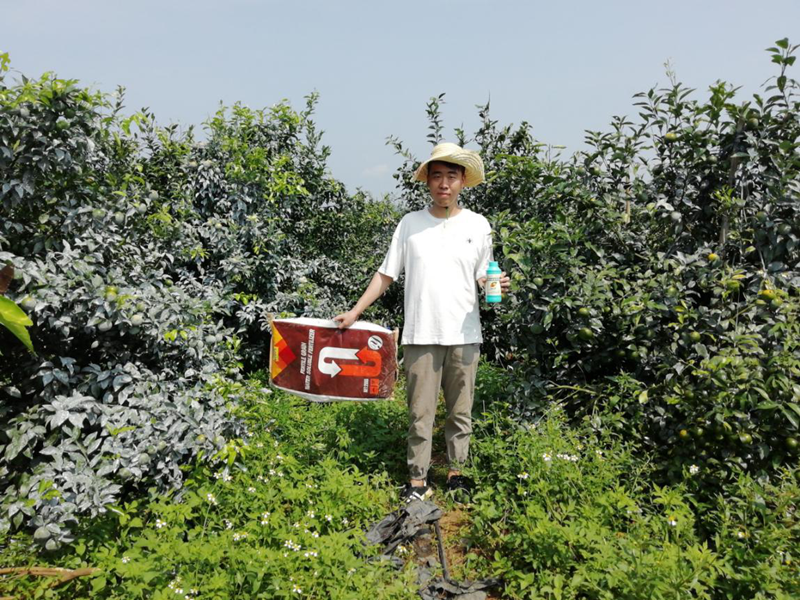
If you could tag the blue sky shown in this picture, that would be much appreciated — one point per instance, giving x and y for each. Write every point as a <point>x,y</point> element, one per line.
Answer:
<point>564,67</point>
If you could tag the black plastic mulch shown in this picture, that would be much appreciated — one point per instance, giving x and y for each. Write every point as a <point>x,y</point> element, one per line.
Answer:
<point>411,524</point>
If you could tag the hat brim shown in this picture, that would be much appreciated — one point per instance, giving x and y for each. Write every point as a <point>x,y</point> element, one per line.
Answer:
<point>471,161</point>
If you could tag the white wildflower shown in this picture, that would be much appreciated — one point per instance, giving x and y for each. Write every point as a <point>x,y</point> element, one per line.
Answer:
<point>126,560</point>
<point>160,523</point>
<point>546,457</point>
<point>311,514</point>
<point>251,489</point>
<point>212,499</point>
<point>297,590</point>
<point>523,475</point>
<point>694,470</point>
<point>228,524</point>
<point>238,537</point>
<point>329,518</point>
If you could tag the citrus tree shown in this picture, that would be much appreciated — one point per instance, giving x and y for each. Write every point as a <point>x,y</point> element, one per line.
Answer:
<point>655,276</point>
<point>147,265</point>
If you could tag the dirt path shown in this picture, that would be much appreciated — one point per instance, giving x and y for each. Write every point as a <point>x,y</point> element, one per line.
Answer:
<point>455,518</point>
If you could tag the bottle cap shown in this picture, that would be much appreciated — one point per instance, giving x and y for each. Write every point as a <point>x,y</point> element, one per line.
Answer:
<point>493,263</point>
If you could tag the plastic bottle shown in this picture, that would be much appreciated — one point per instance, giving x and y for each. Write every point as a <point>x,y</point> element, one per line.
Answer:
<point>493,293</point>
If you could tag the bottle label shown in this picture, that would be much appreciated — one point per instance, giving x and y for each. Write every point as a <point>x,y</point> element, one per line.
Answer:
<point>493,292</point>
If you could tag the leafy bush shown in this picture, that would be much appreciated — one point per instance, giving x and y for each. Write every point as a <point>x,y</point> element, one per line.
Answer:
<point>149,264</point>
<point>563,513</point>
<point>282,517</point>
<point>655,277</point>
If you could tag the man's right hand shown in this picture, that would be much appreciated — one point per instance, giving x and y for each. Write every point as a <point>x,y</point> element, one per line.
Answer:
<point>374,290</point>
<point>345,320</point>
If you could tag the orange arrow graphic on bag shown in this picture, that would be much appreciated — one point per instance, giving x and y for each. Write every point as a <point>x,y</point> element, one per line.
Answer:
<point>329,358</point>
<point>371,366</point>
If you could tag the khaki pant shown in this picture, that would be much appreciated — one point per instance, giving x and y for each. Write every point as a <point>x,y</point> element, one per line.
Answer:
<point>428,368</point>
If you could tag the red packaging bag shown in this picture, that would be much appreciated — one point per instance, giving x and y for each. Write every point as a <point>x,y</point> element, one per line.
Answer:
<point>316,360</point>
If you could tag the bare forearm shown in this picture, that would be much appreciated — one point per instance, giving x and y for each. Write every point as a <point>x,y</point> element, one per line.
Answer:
<point>374,290</point>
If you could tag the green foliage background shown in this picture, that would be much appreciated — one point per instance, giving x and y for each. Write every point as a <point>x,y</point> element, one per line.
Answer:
<point>655,275</point>
<point>636,432</point>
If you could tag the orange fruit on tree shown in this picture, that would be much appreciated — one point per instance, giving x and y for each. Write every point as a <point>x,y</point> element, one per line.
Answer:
<point>767,294</point>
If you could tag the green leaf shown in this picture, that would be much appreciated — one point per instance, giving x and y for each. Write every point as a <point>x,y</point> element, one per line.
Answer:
<point>790,416</point>
<point>98,583</point>
<point>767,405</point>
<point>16,321</point>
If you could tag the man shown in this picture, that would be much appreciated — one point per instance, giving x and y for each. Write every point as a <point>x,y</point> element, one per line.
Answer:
<point>444,250</point>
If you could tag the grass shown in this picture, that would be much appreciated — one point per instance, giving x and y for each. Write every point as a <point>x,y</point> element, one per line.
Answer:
<point>559,513</point>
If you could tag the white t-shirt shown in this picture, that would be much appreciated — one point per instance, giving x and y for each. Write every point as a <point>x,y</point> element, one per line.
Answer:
<point>442,259</point>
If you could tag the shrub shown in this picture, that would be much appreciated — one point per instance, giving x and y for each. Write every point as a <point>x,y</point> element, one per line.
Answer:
<point>655,277</point>
<point>281,516</point>
<point>563,512</point>
<point>149,264</point>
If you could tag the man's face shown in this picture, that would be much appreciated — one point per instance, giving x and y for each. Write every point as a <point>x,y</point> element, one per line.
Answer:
<point>445,183</point>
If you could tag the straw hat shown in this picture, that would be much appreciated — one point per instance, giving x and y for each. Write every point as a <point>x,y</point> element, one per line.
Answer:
<point>448,152</point>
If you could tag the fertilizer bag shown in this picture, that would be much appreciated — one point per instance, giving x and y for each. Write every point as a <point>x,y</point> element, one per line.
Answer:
<point>315,359</point>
